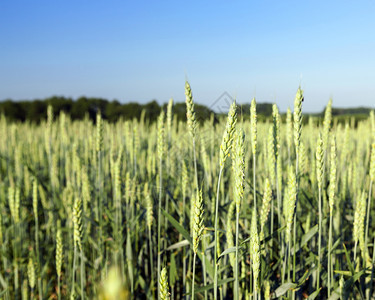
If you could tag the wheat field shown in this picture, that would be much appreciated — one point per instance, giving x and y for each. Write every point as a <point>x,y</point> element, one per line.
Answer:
<point>229,208</point>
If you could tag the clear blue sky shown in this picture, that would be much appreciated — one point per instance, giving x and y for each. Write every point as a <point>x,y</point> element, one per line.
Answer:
<point>138,50</point>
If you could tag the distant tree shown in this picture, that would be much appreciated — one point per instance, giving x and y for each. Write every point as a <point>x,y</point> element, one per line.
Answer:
<point>60,103</point>
<point>35,111</point>
<point>80,107</point>
<point>263,109</point>
<point>152,110</point>
<point>13,110</point>
<point>113,111</point>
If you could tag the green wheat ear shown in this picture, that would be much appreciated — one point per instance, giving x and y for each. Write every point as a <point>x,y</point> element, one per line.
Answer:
<point>190,112</point>
<point>319,162</point>
<point>327,124</point>
<point>289,129</point>
<point>192,211</point>
<point>359,218</point>
<point>25,289</point>
<point>35,197</point>
<point>297,118</point>
<point>77,223</point>
<point>184,178</point>
<point>267,290</point>
<point>99,132</point>
<point>198,221</point>
<point>11,202</point>
<point>276,133</point>
<point>31,273</point>
<point>332,177</point>
<point>149,205</point>
<point>302,166</point>
<point>59,250</point>
<point>227,142</point>
<point>238,167</point>
<point>291,202</point>
<point>267,196</point>
<point>271,155</point>
<point>372,163</point>
<point>255,252</point>
<point>169,115</point>
<point>161,135</point>
<point>372,120</point>
<point>164,290</point>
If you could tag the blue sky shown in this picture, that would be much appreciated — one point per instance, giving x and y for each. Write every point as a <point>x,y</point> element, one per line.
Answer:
<point>141,50</point>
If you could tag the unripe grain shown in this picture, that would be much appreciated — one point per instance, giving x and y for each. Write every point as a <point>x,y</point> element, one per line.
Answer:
<point>99,132</point>
<point>372,163</point>
<point>255,252</point>
<point>359,219</point>
<point>289,129</point>
<point>332,177</point>
<point>297,118</point>
<point>149,205</point>
<point>327,124</point>
<point>198,221</point>
<point>276,128</point>
<point>31,273</point>
<point>190,112</point>
<point>226,144</point>
<point>164,289</point>
<point>291,202</point>
<point>267,196</point>
<point>169,116</point>
<point>271,157</point>
<point>161,135</point>
<point>77,223</point>
<point>239,168</point>
<point>59,250</point>
<point>319,162</point>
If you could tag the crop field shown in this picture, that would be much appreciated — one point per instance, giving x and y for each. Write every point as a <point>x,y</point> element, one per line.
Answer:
<point>228,208</point>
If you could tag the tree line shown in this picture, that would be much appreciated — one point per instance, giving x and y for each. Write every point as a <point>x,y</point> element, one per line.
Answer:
<point>35,111</point>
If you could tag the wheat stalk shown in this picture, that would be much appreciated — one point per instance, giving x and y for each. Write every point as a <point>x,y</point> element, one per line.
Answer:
<point>372,179</point>
<point>225,148</point>
<point>239,179</point>
<point>99,150</point>
<point>253,137</point>
<point>255,252</point>
<point>229,233</point>
<point>192,125</point>
<point>77,236</point>
<point>319,178</point>
<point>160,146</point>
<point>277,151</point>
<point>59,257</point>
<point>197,231</point>
<point>149,221</point>
<point>331,195</point>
